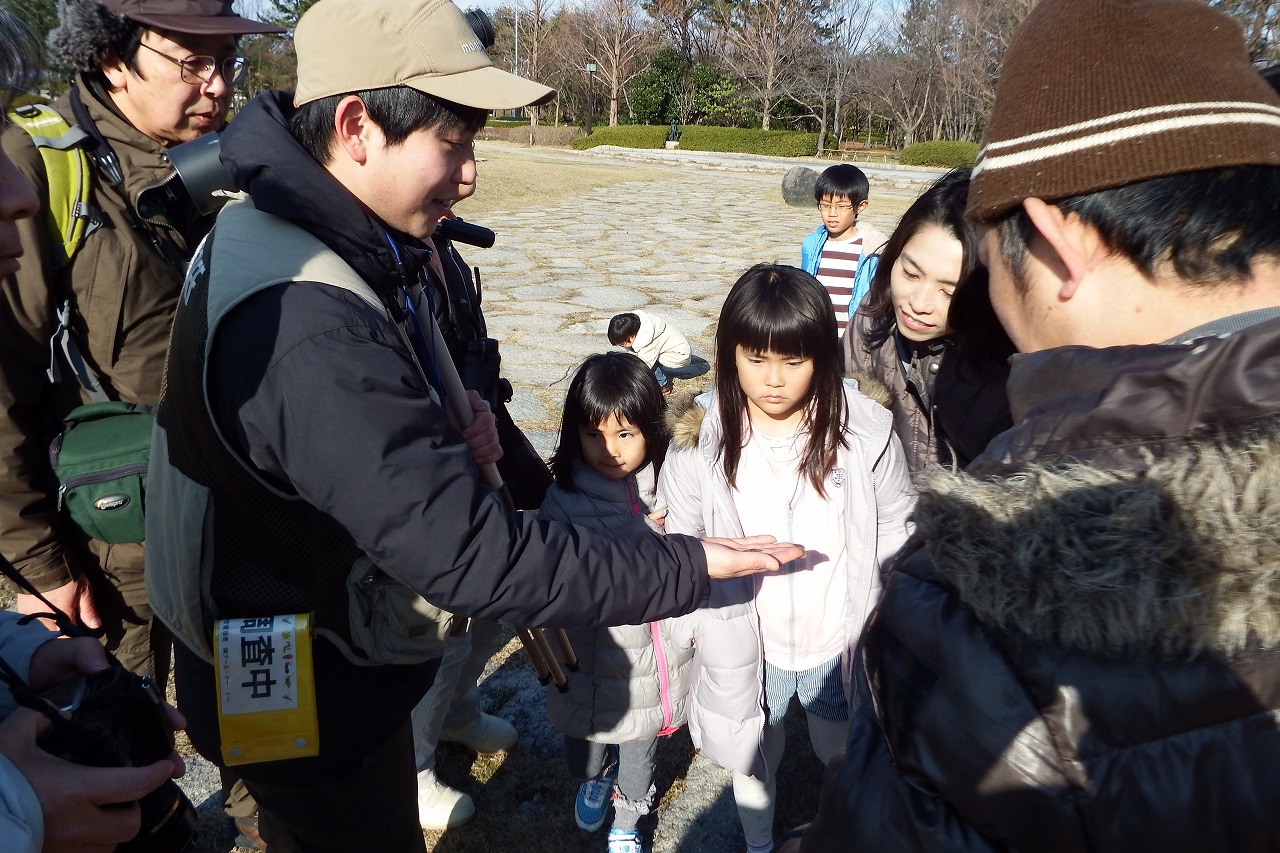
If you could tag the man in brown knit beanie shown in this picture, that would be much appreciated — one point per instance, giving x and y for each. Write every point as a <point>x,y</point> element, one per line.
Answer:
<point>1080,651</point>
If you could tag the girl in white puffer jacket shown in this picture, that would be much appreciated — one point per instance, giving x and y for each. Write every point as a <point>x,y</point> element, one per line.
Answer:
<point>783,447</point>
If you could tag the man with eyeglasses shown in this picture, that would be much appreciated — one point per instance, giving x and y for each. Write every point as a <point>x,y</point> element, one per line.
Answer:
<point>149,74</point>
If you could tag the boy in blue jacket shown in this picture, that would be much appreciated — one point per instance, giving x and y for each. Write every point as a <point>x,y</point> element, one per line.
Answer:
<point>840,253</point>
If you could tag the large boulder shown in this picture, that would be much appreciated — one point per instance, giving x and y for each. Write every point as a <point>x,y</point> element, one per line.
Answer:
<point>797,186</point>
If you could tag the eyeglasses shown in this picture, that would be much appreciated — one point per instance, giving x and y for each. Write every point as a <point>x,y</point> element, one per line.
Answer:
<point>200,69</point>
<point>838,207</point>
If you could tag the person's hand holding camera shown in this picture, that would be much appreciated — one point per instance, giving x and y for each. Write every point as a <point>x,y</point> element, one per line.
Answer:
<point>85,808</point>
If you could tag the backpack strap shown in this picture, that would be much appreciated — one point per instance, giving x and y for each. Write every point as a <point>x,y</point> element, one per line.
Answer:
<point>69,219</point>
<point>69,216</point>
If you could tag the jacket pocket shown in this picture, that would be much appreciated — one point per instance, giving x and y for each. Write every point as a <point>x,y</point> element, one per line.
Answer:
<point>392,624</point>
<point>100,300</point>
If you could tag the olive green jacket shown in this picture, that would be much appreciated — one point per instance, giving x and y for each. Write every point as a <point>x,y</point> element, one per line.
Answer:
<point>125,294</point>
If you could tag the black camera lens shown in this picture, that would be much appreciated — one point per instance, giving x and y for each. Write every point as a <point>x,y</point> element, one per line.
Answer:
<point>481,25</point>
<point>117,719</point>
<point>168,823</point>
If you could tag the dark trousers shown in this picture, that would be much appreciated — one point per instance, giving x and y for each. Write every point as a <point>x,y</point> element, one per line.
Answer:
<point>634,786</point>
<point>375,808</point>
<point>360,793</point>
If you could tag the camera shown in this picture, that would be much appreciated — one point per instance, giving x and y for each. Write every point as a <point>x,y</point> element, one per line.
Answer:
<point>482,25</point>
<point>479,365</point>
<point>114,718</point>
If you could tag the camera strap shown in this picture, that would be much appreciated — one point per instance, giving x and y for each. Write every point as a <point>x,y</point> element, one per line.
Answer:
<point>22,692</point>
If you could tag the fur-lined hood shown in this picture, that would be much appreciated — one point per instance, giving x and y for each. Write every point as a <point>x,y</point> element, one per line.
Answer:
<point>1160,544</point>
<point>685,412</point>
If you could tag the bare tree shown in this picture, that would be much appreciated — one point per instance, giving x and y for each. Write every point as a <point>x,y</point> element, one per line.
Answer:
<point>764,41</point>
<point>534,26</point>
<point>905,74</point>
<point>616,37</point>
<point>1260,20</point>
<point>827,73</point>
<point>940,71</point>
<point>992,24</point>
<point>683,24</point>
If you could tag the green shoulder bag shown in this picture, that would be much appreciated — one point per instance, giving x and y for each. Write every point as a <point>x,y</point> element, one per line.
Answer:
<point>100,461</point>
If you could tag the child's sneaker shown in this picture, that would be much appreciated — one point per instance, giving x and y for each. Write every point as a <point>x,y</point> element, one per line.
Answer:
<point>594,796</point>
<point>625,841</point>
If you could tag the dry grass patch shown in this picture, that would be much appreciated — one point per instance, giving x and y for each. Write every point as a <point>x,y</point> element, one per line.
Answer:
<point>515,177</point>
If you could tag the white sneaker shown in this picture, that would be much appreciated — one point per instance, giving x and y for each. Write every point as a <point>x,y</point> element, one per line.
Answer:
<point>485,734</point>
<point>439,806</point>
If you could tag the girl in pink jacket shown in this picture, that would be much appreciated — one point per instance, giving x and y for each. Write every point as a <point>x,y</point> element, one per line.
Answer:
<point>783,446</point>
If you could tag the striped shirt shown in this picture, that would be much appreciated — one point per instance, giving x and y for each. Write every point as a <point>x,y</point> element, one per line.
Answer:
<point>836,268</point>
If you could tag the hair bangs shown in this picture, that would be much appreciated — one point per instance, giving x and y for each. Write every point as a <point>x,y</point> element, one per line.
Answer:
<point>598,402</point>
<point>785,334</point>
<point>607,385</point>
<point>777,316</point>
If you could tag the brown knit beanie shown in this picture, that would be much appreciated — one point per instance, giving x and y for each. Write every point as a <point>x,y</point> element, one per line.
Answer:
<point>1101,93</point>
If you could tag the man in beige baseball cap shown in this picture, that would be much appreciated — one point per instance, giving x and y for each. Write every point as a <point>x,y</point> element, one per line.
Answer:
<point>303,461</point>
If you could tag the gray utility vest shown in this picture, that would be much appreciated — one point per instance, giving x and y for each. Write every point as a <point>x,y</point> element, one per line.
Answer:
<point>224,543</point>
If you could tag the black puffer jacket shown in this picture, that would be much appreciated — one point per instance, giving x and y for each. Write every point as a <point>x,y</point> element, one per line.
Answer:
<point>317,389</point>
<point>1082,652</point>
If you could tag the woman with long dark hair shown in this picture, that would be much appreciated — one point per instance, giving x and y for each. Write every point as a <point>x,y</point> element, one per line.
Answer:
<point>927,333</point>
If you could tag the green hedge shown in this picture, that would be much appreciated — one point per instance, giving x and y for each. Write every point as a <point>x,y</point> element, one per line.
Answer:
<point>507,122</point>
<point>774,143</point>
<point>939,153</point>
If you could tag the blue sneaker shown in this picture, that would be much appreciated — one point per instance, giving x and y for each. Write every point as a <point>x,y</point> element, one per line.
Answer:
<point>591,806</point>
<point>625,841</point>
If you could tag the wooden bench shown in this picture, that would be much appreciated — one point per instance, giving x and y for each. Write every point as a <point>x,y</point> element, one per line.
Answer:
<point>850,150</point>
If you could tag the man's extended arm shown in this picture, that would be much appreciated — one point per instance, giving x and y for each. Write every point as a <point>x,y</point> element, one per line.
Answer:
<point>360,439</point>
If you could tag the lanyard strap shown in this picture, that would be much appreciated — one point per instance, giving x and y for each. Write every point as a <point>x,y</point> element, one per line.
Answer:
<point>422,349</point>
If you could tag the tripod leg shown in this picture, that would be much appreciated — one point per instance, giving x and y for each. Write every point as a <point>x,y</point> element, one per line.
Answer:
<point>566,649</point>
<point>557,674</point>
<point>534,651</point>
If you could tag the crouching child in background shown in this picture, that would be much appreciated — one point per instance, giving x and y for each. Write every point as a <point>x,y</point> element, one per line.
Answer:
<point>663,347</point>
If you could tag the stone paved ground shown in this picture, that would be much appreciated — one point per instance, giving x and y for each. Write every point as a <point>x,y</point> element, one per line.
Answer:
<point>673,246</point>
<point>670,238</point>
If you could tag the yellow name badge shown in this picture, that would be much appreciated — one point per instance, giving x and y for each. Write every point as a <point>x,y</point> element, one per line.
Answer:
<point>266,688</point>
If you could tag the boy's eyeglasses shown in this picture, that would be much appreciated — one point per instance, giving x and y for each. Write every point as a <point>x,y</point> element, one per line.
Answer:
<point>838,207</point>
<point>200,69</point>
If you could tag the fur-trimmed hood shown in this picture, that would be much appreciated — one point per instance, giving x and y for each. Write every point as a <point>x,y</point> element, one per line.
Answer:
<point>872,388</point>
<point>684,418</point>
<point>1156,531</point>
